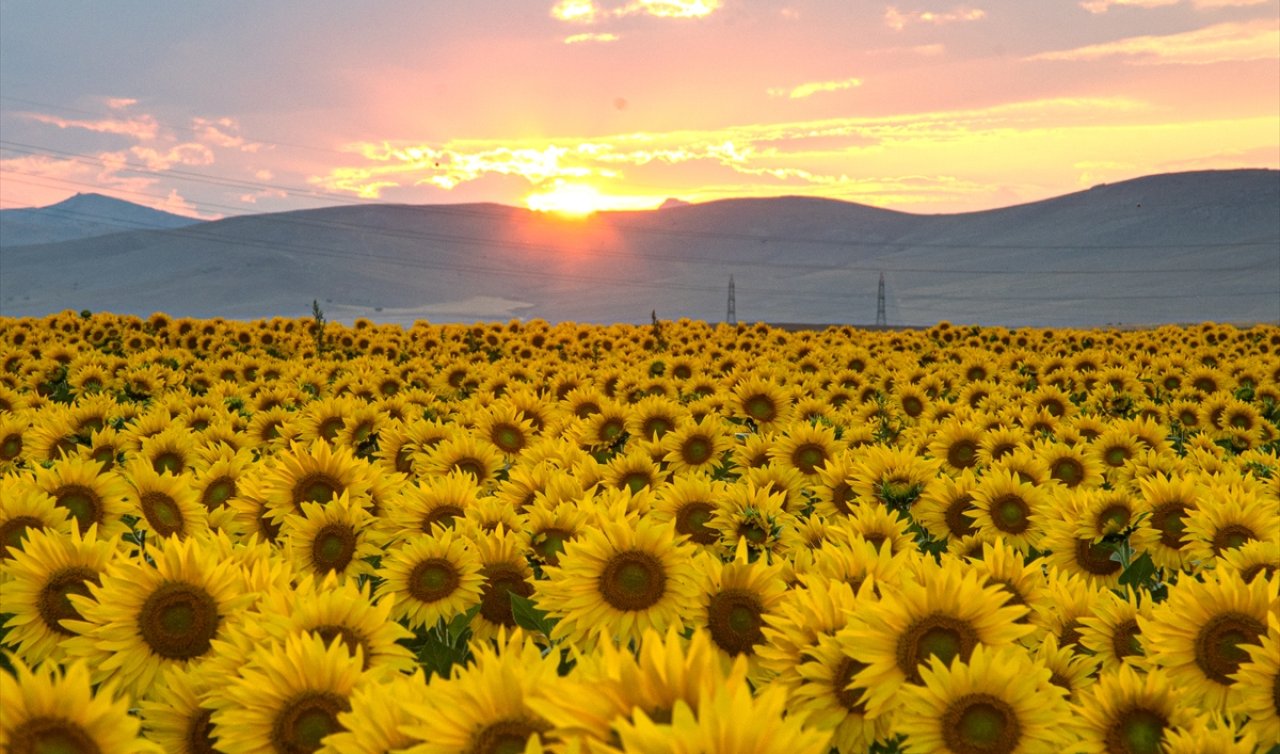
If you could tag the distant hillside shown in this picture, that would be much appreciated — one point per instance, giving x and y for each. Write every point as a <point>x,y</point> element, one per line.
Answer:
<point>81,216</point>
<point>1185,247</point>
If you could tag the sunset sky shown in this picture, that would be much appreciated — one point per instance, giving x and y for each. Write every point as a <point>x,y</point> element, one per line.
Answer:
<point>214,109</point>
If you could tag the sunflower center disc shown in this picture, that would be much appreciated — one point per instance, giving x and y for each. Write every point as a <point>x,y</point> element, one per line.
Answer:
<point>433,580</point>
<point>1068,471</point>
<point>218,492</point>
<point>178,620</point>
<point>849,698</point>
<point>316,488</point>
<point>1217,648</point>
<point>503,737</point>
<point>692,520</point>
<point>962,454</point>
<point>981,724</point>
<point>306,720</point>
<point>11,448</point>
<point>735,619</point>
<point>162,513</point>
<point>761,408</point>
<point>1231,536</point>
<point>328,633</point>
<point>696,451</point>
<point>633,580</point>
<point>53,603</point>
<point>82,502</point>
<point>941,636</point>
<point>441,514</point>
<point>1113,519</point>
<point>550,543</point>
<point>495,600</point>
<point>509,439</point>
<point>333,548</point>
<point>1095,558</point>
<point>1168,520</point>
<point>959,523</point>
<point>14,531</point>
<point>1124,639</point>
<point>1136,731</point>
<point>200,733</point>
<point>808,457</point>
<point>1011,514</point>
<point>167,461</point>
<point>51,735</point>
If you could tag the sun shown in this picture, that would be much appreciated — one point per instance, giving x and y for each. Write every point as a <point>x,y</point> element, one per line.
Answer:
<point>569,199</point>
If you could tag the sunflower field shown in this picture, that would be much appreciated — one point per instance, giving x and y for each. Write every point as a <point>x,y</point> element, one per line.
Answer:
<point>295,536</point>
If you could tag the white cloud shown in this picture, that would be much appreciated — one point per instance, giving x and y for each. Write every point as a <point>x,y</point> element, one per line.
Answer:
<point>809,89</point>
<point>1235,41</point>
<point>899,20</point>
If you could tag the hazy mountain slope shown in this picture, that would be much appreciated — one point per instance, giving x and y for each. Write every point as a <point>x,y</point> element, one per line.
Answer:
<point>1172,248</point>
<point>81,216</point>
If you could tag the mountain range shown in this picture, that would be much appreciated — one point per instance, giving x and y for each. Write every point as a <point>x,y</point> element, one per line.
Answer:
<point>1170,248</point>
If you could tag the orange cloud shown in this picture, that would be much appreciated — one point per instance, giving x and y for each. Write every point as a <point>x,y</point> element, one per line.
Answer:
<point>1234,41</point>
<point>141,127</point>
<point>810,89</point>
<point>898,20</point>
<point>1102,6</point>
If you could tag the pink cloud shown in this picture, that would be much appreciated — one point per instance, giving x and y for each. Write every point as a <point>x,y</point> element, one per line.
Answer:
<point>899,20</point>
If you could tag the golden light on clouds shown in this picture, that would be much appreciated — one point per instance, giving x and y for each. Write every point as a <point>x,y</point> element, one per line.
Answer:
<point>936,160</point>
<point>816,87</point>
<point>590,12</point>
<point>1250,40</point>
<point>574,39</point>
<point>581,200</point>
<point>899,20</point>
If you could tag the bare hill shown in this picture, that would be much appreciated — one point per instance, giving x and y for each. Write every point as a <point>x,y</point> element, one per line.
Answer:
<point>1185,247</point>
<point>81,216</point>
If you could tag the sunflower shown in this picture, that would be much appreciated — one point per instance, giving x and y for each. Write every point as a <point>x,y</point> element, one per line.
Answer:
<point>946,614</point>
<point>272,428</point>
<point>1070,466</point>
<point>165,505</point>
<point>1255,683</point>
<point>430,578</point>
<point>143,618</point>
<point>691,500</point>
<point>316,473</point>
<point>1200,633</point>
<point>1086,556</point>
<point>372,726</point>
<point>1112,632</point>
<point>1102,512</point>
<point>945,508</point>
<point>805,448</point>
<point>52,564</point>
<point>695,445</point>
<point>996,702</point>
<point>823,698</point>
<point>171,450</point>
<point>51,709</point>
<point>1069,670</point>
<point>766,404</point>
<point>435,503</point>
<point>463,452</point>
<point>13,443</point>
<point>999,442</point>
<point>505,569</point>
<point>337,537</point>
<point>608,685</point>
<point>287,699</point>
<point>619,580</point>
<point>322,419</point>
<point>729,720</point>
<point>956,444</point>
<point>484,708</point>
<point>25,509</point>
<point>550,526</point>
<point>489,513</point>
<point>1231,515</point>
<point>89,493</point>
<point>1167,502</point>
<point>506,428</point>
<point>1022,578</point>
<point>1210,734</point>
<point>1253,559</point>
<point>1004,506</point>
<point>651,418</point>
<point>736,599</point>
<point>1129,712</point>
<point>893,477</point>
<point>175,718</point>
<point>833,496</point>
<point>752,450</point>
<point>216,480</point>
<point>632,471</point>
<point>878,526</point>
<point>338,611</point>
<point>756,515</point>
<point>604,428</point>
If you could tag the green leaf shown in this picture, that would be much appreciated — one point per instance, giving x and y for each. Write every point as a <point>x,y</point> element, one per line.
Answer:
<point>462,623</point>
<point>528,616</point>
<point>1139,572</point>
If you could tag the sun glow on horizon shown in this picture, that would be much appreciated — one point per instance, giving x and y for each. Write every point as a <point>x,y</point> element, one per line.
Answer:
<point>579,200</point>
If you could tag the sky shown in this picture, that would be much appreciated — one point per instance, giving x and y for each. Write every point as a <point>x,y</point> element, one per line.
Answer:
<point>215,109</point>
